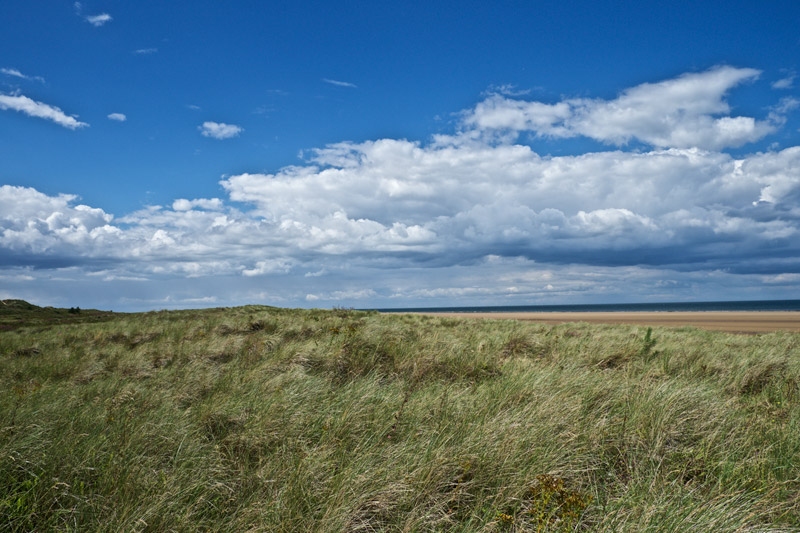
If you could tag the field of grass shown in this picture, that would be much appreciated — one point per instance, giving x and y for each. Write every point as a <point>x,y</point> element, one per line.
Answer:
<point>257,418</point>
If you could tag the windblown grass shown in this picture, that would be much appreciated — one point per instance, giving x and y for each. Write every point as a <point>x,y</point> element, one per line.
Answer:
<point>258,418</point>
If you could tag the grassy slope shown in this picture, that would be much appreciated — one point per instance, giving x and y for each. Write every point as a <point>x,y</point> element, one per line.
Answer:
<point>291,420</point>
<point>19,313</point>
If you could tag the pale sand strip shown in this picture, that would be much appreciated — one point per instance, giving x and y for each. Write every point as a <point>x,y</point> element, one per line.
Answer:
<point>731,321</point>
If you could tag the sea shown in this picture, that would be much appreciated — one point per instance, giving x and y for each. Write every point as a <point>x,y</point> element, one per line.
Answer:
<point>744,305</point>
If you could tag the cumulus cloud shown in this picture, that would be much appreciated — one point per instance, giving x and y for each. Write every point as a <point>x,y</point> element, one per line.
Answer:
<point>219,130</point>
<point>50,226</point>
<point>340,83</point>
<point>400,203</point>
<point>683,112</point>
<point>17,74</point>
<point>23,104</point>
<point>119,117</point>
<point>145,51</point>
<point>182,204</point>
<point>459,201</point>
<point>99,20</point>
<point>464,218</point>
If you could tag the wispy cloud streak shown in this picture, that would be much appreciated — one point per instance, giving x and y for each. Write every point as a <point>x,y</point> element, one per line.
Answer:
<point>786,82</point>
<point>32,108</point>
<point>17,74</point>
<point>340,83</point>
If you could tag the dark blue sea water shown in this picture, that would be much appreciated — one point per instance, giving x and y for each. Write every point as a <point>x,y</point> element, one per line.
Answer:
<point>751,305</point>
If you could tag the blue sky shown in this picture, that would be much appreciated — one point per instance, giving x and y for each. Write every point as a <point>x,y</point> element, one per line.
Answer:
<point>184,154</point>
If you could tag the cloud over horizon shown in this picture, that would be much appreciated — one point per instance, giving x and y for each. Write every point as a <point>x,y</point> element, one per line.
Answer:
<point>483,215</point>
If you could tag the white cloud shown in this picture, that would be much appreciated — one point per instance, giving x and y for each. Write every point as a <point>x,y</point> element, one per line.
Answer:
<point>451,200</point>
<point>36,223</point>
<point>267,267</point>
<point>679,113</point>
<point>506,89</point>
<point>98,20</point>
<point>785,105</point>
<point>13,72</point>
<point>145,51</point>
<point>785,82</point>
<point>783,279</point>
<point>17,74</point>
<point>338,296</point>
<point>33,108</point>
<point>219,130</point>
<point>119,117</point>
<point>453,203</point>
<point>465,219</point>
<point>340,83</point>
<point>211,204</point>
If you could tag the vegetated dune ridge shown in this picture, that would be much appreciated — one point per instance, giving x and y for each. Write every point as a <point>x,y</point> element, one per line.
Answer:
<point>19,313</point>
<point>730,321</point>
<point>266,419</point>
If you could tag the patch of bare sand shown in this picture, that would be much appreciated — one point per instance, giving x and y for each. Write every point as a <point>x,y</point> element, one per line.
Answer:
<point>730,321</point>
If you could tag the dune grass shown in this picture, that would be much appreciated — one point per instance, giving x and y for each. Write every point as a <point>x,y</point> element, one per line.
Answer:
<point>257,418</point>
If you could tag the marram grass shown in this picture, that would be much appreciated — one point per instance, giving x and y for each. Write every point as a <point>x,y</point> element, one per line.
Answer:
<point>264,419</point>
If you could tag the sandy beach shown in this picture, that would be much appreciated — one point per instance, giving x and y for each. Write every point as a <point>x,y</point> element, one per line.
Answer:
<point>730,321</point>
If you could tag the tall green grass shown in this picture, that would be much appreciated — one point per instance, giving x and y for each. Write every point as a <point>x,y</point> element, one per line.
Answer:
<point>258,418</point>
